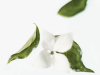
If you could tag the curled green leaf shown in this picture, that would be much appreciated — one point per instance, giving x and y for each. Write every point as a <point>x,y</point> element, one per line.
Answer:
<point>72,8</point>
<point>28,47</point>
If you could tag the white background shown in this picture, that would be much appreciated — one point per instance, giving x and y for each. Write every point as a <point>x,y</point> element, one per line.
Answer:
<point>16,27</point>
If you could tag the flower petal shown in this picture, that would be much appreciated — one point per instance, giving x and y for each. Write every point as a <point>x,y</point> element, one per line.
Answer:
<point>64,42</point>
<point>43,59</point>
<point>60,62</point>
<point>48,40</point>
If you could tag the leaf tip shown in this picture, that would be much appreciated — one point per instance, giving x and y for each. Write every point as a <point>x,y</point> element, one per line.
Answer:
<point>9,60</point>
<point>13,57</point>
<point>35,24</point>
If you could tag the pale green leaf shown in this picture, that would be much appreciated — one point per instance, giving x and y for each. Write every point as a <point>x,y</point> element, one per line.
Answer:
<point>72,8</point>
<point>28,47</point>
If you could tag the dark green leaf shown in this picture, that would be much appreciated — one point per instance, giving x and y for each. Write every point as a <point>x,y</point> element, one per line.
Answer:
<point>74,57</point>
<point>28,47</point>
<point>72,8</point>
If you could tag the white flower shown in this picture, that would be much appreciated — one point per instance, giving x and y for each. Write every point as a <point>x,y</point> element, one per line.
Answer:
<point>48,56</point>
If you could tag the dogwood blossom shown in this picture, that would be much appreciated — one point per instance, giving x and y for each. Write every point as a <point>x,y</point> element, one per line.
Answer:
<point>49,55</point>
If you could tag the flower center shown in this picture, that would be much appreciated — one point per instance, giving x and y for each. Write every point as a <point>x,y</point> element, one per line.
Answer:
<point>52,52</point>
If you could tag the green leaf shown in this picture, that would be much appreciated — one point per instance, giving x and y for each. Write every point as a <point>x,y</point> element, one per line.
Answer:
<point>28,47</point>
<point>72,8</point>
<point>74,57</point>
